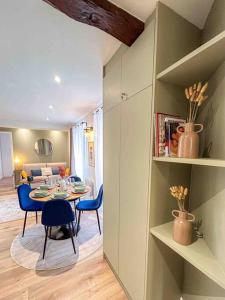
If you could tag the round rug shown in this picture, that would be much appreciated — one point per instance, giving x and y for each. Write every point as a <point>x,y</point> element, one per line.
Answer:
<point>27,251</point>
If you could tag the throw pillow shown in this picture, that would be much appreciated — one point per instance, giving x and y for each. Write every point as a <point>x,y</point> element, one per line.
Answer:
<point>67,172</point>
<point>24,174</point>
<point>62,171</point>
<point>46,171</point>
<point>55,171</point>
<point>36,172</point>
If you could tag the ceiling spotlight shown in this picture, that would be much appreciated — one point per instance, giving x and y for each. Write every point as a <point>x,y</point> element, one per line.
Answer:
<point>57,79</point>
<point>47,119</point>
<point>50,106</point>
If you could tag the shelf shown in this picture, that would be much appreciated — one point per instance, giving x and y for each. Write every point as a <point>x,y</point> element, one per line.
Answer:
<point>193,161</point>
<point>198,65</point>
<point>198,254</point>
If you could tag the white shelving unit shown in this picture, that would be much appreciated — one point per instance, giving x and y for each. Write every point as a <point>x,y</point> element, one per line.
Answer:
<point>192,161</point>
<point>198,254</point>
<point>198,65</point>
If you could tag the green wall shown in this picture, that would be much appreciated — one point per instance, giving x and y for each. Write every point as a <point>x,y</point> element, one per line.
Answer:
<point>24,140</point>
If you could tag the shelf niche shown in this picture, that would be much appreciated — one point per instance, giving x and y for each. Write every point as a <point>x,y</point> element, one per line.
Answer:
<point>184,64</point>
<point>192,161</point>
<point>198,254</point>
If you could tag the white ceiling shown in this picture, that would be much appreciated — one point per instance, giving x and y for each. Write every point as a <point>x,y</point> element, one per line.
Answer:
<point>195,11</point>
<point>37,42</point>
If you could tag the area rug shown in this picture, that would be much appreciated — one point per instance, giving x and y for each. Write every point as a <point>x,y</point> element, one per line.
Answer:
<point>27,251</point>
<point>10,210</point>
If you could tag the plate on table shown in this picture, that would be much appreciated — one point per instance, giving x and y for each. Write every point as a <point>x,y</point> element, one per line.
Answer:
<point>45,188</point>
<point>63,196</point>
<point>78,183</point>
<point>41,195</point>
<point>79,192</point>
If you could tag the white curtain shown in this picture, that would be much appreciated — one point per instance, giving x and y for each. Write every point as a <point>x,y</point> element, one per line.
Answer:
<point>98,142</point>
<point>79,162</point>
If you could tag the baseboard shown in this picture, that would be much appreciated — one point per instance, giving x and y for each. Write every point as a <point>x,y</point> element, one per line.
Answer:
<point>117,277</point>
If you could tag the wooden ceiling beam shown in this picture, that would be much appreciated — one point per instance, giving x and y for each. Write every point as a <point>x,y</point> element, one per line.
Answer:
<point>103,15</point>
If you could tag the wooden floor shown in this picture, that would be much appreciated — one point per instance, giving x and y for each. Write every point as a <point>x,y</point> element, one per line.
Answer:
<point>7,186</point>
<point>89,279</point>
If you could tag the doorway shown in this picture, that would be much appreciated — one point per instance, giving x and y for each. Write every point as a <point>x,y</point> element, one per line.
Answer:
<point>6,155</point>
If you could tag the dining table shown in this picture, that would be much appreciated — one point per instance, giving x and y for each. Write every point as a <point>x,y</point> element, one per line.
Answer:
<point>62,232</point>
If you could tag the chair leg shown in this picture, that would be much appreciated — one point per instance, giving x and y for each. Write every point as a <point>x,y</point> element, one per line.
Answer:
<point>71,235</point>
<point>50,233</point>
<point>24,223</point>
<point>46,237</point>
<point>73,229</point>
<point>99,227</point>
<point>78,224</point>
<point>36,217</point>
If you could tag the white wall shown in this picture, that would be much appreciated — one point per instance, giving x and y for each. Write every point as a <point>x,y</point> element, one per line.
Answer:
<point>6,148</point>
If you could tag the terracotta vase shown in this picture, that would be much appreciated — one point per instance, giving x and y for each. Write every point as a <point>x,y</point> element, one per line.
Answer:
<point>188,145</point>
<point>182,227</point>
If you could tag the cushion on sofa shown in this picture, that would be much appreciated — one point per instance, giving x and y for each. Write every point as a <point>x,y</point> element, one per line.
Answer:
<point>55,171</point>
<point>46,171</point>
<point>36,172</point>
<point>24,174</point>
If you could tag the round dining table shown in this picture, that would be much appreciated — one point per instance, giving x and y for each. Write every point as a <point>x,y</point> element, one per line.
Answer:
<point>61,232</point>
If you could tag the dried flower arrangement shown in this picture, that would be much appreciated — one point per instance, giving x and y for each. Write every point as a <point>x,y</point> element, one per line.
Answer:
<point>195,96</point>
<point>180,193</point>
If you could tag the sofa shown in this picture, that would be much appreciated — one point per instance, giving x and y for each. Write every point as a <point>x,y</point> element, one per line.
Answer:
<point>34,171</point>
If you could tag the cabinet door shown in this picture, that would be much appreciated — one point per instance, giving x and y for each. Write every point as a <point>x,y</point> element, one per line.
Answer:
<point>111,184</point>
<point>137,63</point>
<point>134,175</point>
<point>112,86</point>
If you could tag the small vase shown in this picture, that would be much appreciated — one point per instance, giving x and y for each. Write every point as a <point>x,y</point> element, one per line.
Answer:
<point>182,227</point>
<point>188,145</point>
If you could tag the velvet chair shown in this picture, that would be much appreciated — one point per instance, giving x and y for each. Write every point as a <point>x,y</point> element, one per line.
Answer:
<point>57,213</point>
<point>90,205</point>
<point>75,178</point>
<point>26,203</point>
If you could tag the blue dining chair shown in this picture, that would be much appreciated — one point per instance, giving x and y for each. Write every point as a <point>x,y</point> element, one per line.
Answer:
<point>89,205</point>
<point>75,178</point>
<point>27,204</point>
<point>57,213</point>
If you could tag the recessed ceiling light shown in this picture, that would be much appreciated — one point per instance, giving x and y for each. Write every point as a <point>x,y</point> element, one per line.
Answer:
<point>57,79</point>
<point>47,119</point>
<point>51,106</point>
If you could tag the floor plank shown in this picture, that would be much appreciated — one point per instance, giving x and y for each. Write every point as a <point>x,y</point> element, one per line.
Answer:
<point>89,279</point>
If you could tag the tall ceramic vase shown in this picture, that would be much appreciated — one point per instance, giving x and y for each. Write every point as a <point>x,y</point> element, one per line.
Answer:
<point>188,145</point>
<point>182,227</point>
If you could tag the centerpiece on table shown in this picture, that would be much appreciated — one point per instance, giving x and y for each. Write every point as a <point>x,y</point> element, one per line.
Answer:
<point>182,224</point>
<point>188,146</point>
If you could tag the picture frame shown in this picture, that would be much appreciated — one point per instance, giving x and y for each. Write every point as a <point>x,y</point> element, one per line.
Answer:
<point>91,154</point>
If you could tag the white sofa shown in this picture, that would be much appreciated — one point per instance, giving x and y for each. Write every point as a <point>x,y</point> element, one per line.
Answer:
<point>37,166</point>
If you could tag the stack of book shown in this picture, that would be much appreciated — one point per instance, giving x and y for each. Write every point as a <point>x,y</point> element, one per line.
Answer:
<point>166,135</point>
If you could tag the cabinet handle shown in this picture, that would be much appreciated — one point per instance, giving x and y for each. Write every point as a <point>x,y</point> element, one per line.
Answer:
<point>124,96</point>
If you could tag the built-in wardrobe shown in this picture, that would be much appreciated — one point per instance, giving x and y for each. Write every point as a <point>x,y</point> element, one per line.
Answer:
<point>149,77</point>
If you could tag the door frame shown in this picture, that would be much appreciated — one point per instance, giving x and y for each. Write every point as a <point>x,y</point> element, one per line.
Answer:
<point>12,160</point>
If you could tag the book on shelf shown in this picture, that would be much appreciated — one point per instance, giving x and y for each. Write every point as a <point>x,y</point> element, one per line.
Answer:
<point>166,137</point>
<point>172,136</point>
